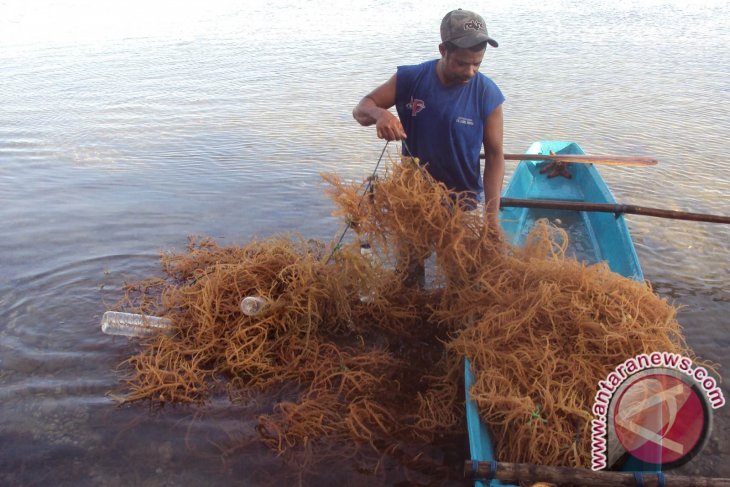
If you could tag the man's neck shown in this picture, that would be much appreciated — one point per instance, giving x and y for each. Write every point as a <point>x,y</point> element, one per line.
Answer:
<point>441,77</point>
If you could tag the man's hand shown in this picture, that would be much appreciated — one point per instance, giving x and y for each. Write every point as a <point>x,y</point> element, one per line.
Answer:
<point>388,127</point>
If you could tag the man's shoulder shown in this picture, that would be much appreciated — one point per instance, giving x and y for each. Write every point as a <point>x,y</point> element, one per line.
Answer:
<point>412,76</point>
<point>486,81</point>
<point>415,68</point>
<point>489,94</point>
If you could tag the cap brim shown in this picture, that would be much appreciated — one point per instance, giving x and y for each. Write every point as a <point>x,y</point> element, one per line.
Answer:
<point>471,41</point>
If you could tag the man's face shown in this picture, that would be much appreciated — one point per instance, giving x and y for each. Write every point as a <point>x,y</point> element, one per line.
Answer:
<point>460,65</point>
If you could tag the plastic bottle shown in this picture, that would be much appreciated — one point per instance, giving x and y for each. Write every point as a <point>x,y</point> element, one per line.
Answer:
<point>134,325</point>
<point>253,305</point>
<point>367,251</point>
<point>367,297</point>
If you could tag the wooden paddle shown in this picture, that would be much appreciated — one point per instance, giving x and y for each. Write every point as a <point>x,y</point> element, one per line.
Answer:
<point>613,208</point>
<point>523,472</point>
<point>583,159</point>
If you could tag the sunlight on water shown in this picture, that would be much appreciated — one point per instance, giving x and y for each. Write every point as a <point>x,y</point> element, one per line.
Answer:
<point>49,23</point>
<point>82,21</point>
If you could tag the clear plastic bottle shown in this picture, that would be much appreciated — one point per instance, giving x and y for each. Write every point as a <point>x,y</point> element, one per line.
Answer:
<point>253,305</point>
<point>134,325</point>
<point>367,252</point>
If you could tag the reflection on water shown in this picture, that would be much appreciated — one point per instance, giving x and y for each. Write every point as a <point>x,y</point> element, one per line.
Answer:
<point>126,127</point>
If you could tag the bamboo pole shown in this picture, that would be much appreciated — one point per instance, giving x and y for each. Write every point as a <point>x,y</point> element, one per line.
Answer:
<point>523,472</point>
<point>617,209</point>
<point>640,161</point>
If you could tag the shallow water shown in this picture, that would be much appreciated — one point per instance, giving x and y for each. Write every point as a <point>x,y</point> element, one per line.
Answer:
<point>125,127</point>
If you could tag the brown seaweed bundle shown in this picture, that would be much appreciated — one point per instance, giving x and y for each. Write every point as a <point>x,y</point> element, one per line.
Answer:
<point>370,363</point>
<point>541,341</point>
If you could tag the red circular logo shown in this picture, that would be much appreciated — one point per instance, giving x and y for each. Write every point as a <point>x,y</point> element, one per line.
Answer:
<point>660,419</point>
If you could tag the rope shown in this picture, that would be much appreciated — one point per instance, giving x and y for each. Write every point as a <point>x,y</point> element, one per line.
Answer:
<point>370,180</point>
<point>405,146</point>
<point>486,478</point>
<point>492,471</point>
<point>639,479</point>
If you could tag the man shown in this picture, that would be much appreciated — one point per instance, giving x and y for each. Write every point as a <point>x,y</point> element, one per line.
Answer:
<point>447,110</point>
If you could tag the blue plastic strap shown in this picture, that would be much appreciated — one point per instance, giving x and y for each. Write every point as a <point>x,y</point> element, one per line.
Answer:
<point>639,479</point>
<point>492,471</point>
<point>487,478</point>
<point>660,478</point>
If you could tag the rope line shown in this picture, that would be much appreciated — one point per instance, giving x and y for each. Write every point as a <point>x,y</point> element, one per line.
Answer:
<point>639,479</point>
<point>348,224</point>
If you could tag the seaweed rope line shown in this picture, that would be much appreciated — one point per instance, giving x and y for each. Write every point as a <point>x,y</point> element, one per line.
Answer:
<point>348,222</point>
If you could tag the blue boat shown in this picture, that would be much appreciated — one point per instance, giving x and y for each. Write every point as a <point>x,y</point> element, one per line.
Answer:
<point>594,237</point>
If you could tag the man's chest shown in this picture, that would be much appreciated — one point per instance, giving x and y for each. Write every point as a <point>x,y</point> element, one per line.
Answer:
<point>457,111</point>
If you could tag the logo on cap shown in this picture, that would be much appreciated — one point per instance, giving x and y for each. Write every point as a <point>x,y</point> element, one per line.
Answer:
<point>473,24</point>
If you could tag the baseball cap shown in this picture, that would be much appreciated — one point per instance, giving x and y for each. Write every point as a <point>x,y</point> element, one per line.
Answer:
<point>465,29</point>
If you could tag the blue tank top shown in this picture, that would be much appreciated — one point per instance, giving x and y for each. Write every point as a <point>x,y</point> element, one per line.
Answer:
<point>445,125</point>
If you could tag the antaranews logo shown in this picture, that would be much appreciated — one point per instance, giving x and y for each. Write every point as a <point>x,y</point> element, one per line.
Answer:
<point>655,407</point>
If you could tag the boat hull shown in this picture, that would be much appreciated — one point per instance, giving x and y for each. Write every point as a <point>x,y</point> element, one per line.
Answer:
<point>594,237</point>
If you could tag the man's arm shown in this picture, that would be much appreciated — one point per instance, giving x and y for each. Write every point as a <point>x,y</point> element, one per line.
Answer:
<point>493,168</point>
<point>373,109</point>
